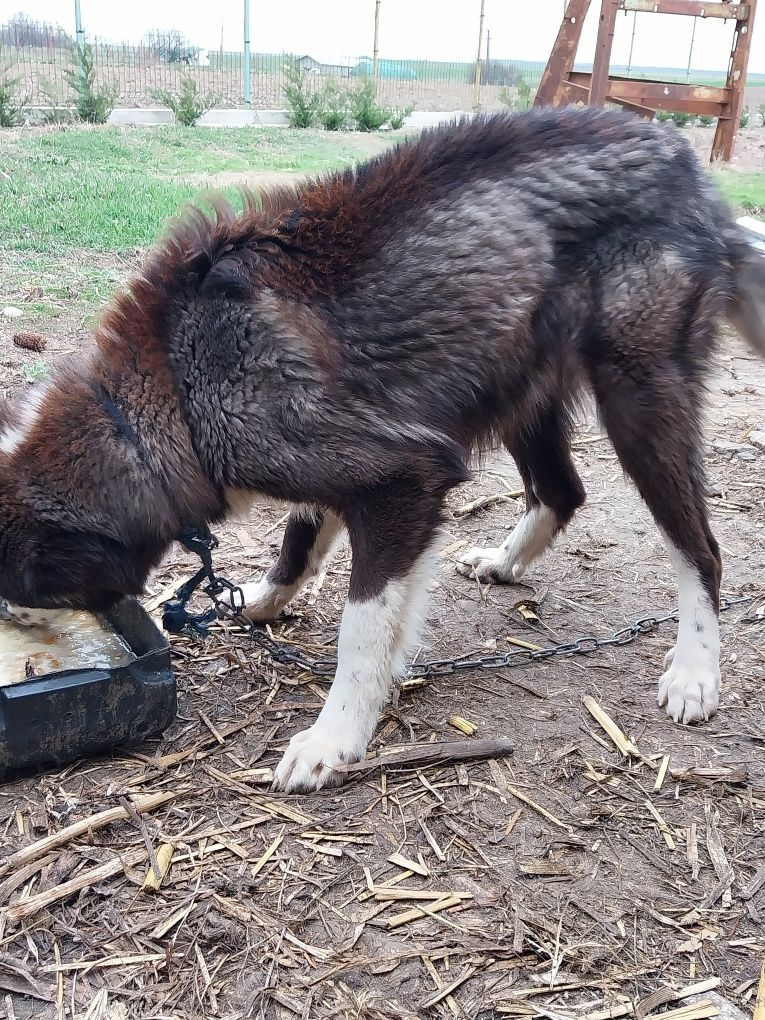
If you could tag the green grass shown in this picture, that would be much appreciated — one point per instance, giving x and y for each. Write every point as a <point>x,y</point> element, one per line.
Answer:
<point>112,189</point>
<point>744,191</point>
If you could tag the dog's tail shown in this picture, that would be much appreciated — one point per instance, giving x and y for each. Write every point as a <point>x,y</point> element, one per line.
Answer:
<point>746,310</point>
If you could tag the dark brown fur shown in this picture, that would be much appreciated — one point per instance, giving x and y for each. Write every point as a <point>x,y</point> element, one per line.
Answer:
<point>350,344</point>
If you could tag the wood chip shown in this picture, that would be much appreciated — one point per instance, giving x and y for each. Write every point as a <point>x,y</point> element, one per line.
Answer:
<point>28,908</point>
<point>462,725</point>
<point>662,774</point>
<point>441,993</point>
<point>172,920</point>
<point>539,809</point>
<point>617,736</point>
<point>488,500</point>
<point>438,753</point>
<point>266,857</point>
<point>693,850</point>
<point>416,913</point>
<point>404,862</point>
<point>759,1006</point>
<point>753,886</point>
<point>383,893</point>
<point>154,880</point>
<point>77,829</point>
<point>663,827</point>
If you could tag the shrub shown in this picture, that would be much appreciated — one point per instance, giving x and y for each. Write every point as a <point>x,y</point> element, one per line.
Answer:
<point>189,106</point>
<point>705,120</point>
<point>397,118</point>
<point>663,116</point>
<point>682,119</point>
<point>520,101</point>
<point>304,104</point>
<point>11,113</point>
<point>57,112</point>
<point>761,111</point>
<point>94,104</point>
<point>333,107</point>
<point>744,118</point>
<point>368,115</point>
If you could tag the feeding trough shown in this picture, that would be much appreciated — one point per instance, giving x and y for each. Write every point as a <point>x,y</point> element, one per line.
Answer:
<point>51,715</point>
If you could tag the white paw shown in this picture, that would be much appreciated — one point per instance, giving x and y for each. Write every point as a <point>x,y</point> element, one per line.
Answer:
<point>264,600</point>
<point>691,692</point>
<point>670,656</point>
<point>311,759</point>
<point>491,565</point>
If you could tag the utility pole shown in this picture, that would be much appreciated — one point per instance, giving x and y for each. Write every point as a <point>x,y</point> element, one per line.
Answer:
<point>376,47</point>
<point>477,89</point>
<point>246,62</point>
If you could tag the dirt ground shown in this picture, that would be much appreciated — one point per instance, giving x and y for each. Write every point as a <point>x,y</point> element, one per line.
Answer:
<point>583,882</point>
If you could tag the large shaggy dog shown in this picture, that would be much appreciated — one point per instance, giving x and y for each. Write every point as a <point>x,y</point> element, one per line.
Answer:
<point>345,349</point>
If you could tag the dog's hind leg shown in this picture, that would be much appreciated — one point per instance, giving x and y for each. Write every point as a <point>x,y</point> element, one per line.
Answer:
<point>391,535</point>
<point>651,409</point>
<point>309,537</point>
<point>554,492</point>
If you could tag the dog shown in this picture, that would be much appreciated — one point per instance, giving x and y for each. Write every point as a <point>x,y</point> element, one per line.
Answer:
<point>348,346</point>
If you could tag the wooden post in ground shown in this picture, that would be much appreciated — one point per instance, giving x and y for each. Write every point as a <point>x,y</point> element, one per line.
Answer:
<point>727,127</point>
<point>603,46</point>
<point>561,62</point>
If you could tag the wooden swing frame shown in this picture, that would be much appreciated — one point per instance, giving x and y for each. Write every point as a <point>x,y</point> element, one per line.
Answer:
<point>561,84</point>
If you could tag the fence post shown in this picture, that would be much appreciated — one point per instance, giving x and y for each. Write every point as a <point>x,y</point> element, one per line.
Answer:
<point>78,25</point>
<point>376,48</point>
<point>477,89</point>
<point>246,63</point>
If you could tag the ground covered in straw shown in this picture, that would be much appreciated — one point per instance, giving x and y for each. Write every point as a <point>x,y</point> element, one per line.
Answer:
<point>570,879</point>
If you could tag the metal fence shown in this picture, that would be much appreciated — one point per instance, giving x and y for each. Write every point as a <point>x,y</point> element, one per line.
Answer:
<point>38,56</point>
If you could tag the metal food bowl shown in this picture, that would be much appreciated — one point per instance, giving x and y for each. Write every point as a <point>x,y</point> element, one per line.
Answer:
<point>76,713</point>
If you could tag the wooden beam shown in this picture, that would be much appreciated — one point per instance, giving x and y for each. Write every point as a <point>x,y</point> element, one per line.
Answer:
<point>574,93</point>
<point>563,54</point>
<point>725,135</point>
<point>603,46</point>
<point>663,93</point>
<point>695,9</point>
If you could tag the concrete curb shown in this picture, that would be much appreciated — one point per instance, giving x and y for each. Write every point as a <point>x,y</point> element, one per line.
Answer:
<point>152,116</point>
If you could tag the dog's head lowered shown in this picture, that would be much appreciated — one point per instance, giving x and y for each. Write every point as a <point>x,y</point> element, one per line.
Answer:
<point>87,506</point>
<point>61,542</point>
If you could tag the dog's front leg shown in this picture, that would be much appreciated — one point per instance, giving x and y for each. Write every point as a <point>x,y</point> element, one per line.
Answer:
<point>389,579</point>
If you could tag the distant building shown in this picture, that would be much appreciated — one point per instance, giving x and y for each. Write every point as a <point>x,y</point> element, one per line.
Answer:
<point>309,65</point>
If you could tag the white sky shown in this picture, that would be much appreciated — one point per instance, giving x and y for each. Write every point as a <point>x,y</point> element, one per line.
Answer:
<point>332,30</point>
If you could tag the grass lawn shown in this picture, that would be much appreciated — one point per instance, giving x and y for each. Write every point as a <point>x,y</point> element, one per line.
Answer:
<point>744,191</point>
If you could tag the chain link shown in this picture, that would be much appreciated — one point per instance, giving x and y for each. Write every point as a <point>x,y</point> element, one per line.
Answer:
<point>229,602</point>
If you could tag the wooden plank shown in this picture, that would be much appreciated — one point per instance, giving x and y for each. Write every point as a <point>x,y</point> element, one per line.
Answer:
<point>603,46</point>
<point>638,89</point>
<point>563,53</point>
<point>689,7</point>
<point>574,93</point>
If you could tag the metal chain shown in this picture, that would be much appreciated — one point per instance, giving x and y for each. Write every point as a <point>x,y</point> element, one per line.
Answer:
<point>229,601</point>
